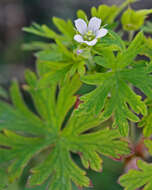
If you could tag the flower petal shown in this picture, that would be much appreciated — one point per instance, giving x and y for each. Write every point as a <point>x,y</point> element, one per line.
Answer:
<point>102,32</point>
<point>81,25</point>
<point>94,24</point>
<point>78,38</point>
<point>91,43</point>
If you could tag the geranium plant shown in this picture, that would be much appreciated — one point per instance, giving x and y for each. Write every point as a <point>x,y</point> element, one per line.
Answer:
<point>90,72</point>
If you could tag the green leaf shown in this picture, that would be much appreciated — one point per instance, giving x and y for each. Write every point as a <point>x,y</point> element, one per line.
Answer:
<point>106,59</point>
<point>138,178</point>
<point>113,93</point>
<point>18,119</point>
<point>53,77</point>
<point>97,78</point>
<point>110,13</point>
<point>64,27</point>
<point>147,49</point>
<point>20,151</point>
<point>35,45</point>
<point>66,170</point>
<point>120,95</point>
<point>112,41</point>
<point>81,14</point>
<point>147,27</point>
<point>64,50</point>
<point>50,54</point>
<point>64,132</point>
<point>57,63</point>
<point>135,48</point>
<point>148,144</point>
<point>42,31</point>
<point>133,20</point>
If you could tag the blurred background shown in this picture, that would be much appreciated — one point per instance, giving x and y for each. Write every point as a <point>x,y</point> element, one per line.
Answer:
<point>14,15</point>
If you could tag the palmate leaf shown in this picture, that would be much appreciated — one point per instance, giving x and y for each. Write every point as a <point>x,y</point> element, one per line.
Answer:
<point>26,134</point>
<point>138,178</point>
<point>113,94</point>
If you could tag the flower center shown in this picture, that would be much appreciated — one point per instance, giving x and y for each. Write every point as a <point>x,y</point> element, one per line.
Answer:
<point>89,36</point>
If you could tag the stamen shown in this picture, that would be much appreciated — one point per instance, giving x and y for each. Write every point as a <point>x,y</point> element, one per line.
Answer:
<point>89,35</point>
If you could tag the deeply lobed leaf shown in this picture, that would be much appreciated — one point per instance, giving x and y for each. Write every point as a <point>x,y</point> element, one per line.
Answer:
<point>53,130</point>
<point>113,93</point>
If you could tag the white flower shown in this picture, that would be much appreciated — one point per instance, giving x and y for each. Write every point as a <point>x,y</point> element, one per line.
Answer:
<point>90,33</point>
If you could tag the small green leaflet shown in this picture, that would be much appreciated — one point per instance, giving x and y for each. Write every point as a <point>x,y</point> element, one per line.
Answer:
<point>26,134</point>
<point>138,178</point>
<point>113,93</point>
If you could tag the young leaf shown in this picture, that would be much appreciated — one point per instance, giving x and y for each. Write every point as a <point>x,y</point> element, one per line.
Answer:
<point>52,71</point>
<point>42,31</point>
<point>133,20</point>
<point>81,14</point>
<point>109,13</point>
<point>138,178</point>
<point>111,41</point>
<point>64,27</point>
